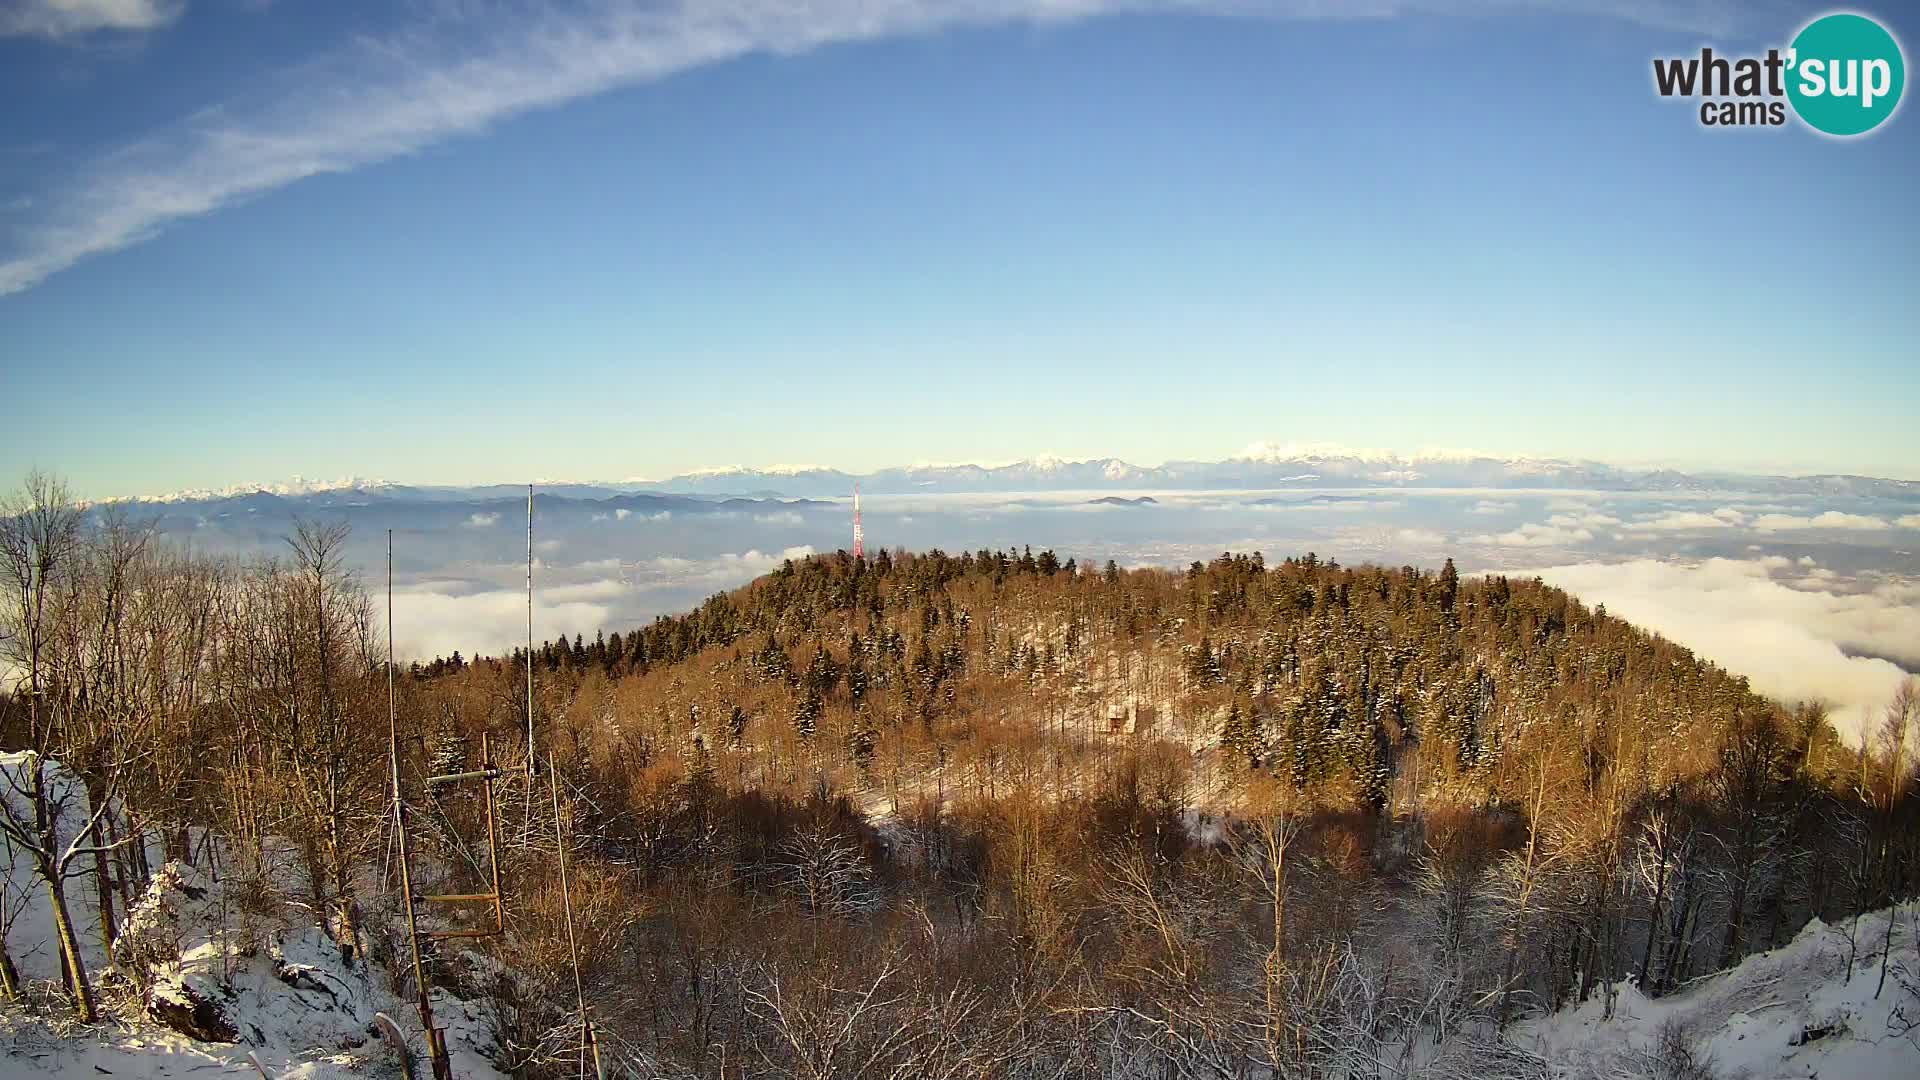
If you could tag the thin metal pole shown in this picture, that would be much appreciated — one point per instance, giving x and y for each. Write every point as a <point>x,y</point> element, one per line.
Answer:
<point>493,839</point>
<point>573,947</point>
<point>400,830</point>
<point>531,756</point>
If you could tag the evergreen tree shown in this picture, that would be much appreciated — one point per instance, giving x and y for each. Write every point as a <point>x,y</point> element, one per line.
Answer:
<point>822,673</point>
<point>857,682</point>
<point>861,740</point>
<point>1203,664</point>
<point>806,715</point>
<point>772,661</point>
<point>1240,737</point>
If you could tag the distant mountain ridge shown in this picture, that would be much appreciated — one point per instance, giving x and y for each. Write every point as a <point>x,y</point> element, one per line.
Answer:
<point>1261,467</point>
<point>1267,466</point>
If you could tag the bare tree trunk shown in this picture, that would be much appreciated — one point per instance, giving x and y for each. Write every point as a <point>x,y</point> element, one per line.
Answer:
<point>136,872</point>
<point>1894,736</point>
<point>76,965</point>
<point>9,976</point>
<point>1737,916</point>
<point>1530,881</point>
<point>1680,960</point>
<point>103,890</point>
<point>1653,923</point>
<point>1886,952</point>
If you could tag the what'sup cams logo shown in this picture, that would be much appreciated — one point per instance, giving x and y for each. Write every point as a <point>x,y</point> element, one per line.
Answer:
<point>1842,76</point>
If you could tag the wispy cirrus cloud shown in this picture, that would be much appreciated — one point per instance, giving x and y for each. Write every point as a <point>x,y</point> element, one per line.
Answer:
<point>470,65</point>
<point>67,18</point>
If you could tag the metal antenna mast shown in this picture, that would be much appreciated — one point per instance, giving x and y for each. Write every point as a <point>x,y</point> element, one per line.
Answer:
<point>487,773</point>
<point>531,756</point>
<point>588,1041</point>
<point>436,1042</point>
<point>859,537</point>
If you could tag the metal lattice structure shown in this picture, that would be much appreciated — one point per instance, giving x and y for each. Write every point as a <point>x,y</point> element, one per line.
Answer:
<point>494,898</point>
<point>859,537</point>
<point>486,774</point>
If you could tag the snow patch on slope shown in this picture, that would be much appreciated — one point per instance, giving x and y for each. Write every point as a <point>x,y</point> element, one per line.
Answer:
<point>259,972</point>
<point>1792,1012</point>
<point>251,983</point>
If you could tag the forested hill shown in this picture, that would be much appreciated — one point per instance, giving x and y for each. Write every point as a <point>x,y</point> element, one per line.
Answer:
<point>1485,756</point>
<point>1380,685</point>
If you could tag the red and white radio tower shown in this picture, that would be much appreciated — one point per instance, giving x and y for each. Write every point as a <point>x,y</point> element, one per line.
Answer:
<point>859,538</point>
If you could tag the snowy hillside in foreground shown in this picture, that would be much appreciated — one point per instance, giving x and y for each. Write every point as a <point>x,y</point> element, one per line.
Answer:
<point>278,988</point>
<point>1791,1012</point>
<point>304,1015</point>
<point>273,985</point>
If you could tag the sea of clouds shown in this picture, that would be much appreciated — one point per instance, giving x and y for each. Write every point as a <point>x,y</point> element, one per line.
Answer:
<point>1810,598</point>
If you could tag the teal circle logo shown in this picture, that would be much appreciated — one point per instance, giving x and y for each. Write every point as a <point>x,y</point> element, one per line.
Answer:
<point>1845,74</point>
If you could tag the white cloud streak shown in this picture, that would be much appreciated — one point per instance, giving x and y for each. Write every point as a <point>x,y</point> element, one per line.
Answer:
<point>68,18</point>
<point>1685,521</point>
<point>725,570</point>
<point>1534,534</point>
<point>1832,519</point>
<point>478,63</point>
<point>1585,519</point>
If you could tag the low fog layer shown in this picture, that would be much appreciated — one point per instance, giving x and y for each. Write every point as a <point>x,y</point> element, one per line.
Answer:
<point>1794,628</point>
<point>1810,596</point>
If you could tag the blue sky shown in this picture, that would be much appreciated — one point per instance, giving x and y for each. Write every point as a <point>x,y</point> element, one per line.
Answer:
<point>479,241</point>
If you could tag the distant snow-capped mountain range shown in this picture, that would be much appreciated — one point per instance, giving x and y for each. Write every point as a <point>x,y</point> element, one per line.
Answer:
<point>1262,466</point>
<point>299,485</point>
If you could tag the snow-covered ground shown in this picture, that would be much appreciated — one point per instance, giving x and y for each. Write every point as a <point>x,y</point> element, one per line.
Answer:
<point>273,984</point>
<point>1792,1012</point>
<point>32,939</point>
<point>1836,1003</point>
